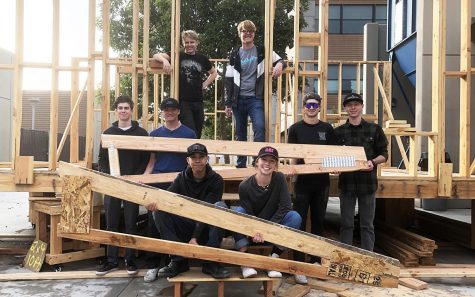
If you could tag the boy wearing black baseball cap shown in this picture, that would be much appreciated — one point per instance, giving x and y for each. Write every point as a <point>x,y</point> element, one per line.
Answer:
<point>361,185</point>
<point>197,181</point>
<point>164,162</point>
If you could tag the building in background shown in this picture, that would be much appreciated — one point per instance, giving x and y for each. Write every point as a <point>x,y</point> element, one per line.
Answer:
<point>6,96</point>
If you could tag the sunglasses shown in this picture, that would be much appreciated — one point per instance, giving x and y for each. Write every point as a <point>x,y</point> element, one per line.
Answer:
<point>313,105</point>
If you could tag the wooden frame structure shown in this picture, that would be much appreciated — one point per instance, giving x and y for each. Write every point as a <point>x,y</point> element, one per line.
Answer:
<point>411,183</point>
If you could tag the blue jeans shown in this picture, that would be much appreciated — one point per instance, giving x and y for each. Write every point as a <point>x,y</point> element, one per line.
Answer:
<point>366,209</point>
<point>254,108</point>
<point>292,219</point>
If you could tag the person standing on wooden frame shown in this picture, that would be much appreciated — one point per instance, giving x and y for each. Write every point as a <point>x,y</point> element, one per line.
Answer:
<point>360,185</point>
<point>311,190</point>
<point>244,85</point>
<point>131,163</point>
<point>193,67</point>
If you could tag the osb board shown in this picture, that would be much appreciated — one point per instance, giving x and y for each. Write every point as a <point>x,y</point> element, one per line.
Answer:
<point>76,204</point>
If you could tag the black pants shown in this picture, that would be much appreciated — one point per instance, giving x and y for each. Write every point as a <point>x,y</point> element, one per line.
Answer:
<point>315,198</point>
<point>192,115</point>
<point>151,258</point>
<point>180,229</point>
<point>131,211</point>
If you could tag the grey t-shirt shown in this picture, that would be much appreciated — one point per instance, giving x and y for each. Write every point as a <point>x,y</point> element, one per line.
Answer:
<point>248,72</point>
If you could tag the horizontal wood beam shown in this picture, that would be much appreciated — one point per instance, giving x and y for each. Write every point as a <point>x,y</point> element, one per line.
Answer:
<point>66,275</point>
<point>43,182</point>
<point>438,272</point>
<point>241,173</point>
<point>74,256</point>
<point>339,254</point>
<point>394,186</point>
<point>225,147</point>
<point>309,38</point>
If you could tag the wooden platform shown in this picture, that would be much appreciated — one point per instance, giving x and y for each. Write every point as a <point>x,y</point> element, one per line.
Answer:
<point>196,276</point>
<point>48,213</point>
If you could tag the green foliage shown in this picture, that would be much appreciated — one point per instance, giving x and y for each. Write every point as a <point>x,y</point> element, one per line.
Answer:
<point>216,23</point>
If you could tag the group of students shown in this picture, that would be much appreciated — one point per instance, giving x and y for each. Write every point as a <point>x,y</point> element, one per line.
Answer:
<point>264,194</point>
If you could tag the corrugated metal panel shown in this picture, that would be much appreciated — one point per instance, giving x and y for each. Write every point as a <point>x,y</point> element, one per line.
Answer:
<point>42,111</point>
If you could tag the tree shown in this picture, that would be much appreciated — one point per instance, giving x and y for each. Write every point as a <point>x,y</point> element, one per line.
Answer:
<point>215,21</point>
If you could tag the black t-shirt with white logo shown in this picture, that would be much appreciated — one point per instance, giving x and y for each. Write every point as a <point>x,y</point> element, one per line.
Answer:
<point>193,71</point>
<point>321,134</point>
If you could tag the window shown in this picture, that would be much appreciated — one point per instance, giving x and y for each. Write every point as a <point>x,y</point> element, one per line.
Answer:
<point>402,20</point>
<point>350,19</point>
<point>348,79</point>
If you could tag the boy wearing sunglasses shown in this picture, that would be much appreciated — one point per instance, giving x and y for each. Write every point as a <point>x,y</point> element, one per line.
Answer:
<point>311,190</point>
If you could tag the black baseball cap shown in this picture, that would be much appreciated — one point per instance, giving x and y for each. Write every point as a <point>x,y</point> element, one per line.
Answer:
<point>197,148</point>
<point>169,102</point>
<point>268,151</point>
<point>352,97</point>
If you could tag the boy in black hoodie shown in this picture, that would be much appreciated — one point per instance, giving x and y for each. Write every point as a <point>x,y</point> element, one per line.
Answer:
<point>200,182</point>
<point>131,163</point>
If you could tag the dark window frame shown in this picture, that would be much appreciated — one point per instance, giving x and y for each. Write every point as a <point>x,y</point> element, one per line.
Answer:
<point>340,30</point>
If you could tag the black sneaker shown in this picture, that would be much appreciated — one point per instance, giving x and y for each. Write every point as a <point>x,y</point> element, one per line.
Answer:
<point>131,267</point>
<point>174,268</point>
<point>216,270</point>
<point>106,268</point>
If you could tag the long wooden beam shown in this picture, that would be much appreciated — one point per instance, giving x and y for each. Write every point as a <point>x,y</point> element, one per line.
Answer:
<point>42,182</point>
<point>389,187</point>
<point>226,147</point>
<point>427,272</point>
<point>465,85</point>
<point>213,254</point>
<point>342,257</point>
<point>438,272</point>
<point>198,252</point>
<point>17,111</point>
<point>239,173</point>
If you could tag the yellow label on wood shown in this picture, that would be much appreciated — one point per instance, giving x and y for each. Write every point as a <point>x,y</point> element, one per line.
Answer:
<point>36,255</point>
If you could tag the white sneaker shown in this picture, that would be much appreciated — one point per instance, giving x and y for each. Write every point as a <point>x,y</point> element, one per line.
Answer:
<point>248,271</point>
<point>150,275</point>
<point>273,273</point>
<point>301,279</point>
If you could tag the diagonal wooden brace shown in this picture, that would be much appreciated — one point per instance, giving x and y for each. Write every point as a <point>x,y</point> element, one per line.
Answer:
<point>346,262</point>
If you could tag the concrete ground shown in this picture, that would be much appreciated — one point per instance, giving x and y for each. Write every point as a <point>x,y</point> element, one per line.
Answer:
<point>14,220</point>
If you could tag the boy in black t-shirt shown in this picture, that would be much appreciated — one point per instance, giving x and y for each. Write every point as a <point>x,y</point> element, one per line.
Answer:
<point>311,191</point>
<point>193,67</point>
